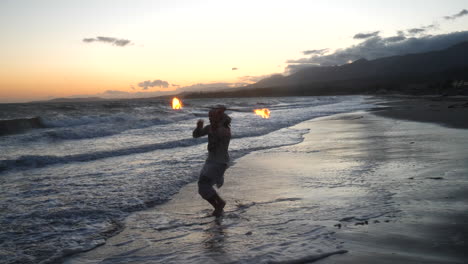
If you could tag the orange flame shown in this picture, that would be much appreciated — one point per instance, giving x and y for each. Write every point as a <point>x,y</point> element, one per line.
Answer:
<point>176,103</point>
<point>265,112</point>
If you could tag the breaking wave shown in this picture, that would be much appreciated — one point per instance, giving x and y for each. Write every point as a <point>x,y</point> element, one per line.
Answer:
<point>19,125</point>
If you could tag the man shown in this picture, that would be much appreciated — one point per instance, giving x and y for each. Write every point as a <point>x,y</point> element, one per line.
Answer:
<point>219,136</point>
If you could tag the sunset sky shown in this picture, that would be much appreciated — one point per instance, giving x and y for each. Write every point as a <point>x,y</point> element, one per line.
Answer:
<point>56,48</point>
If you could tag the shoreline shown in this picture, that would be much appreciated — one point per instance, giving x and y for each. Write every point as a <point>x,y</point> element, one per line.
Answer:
<point>184,218</point>
<point>447,111</point>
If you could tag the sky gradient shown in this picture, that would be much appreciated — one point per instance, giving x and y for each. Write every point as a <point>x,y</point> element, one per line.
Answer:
<point>118,48</point>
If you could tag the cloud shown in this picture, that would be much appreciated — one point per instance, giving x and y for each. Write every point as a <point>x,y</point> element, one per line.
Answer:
<point>395,38</point>
<point>210,86</point>
<point>432,26</point>
<point>414,31</point>
<point>309,61</point>
<point>366,35</point>
<point>315,52</point>
<point>235,69</point>
<point>378,47</point>
<point>113,41</point>
<point>252,79</point>
<point>464,12</point>
<point>115,92</point>
<point>156,83</point>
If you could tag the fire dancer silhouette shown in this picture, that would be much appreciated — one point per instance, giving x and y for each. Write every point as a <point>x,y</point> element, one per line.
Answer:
<point>219,136</point>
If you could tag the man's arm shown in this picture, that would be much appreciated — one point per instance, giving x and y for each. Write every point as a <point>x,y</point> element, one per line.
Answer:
<point>200,131</point>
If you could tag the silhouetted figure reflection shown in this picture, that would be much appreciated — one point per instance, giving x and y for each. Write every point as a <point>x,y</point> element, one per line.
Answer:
<point>215,237</point>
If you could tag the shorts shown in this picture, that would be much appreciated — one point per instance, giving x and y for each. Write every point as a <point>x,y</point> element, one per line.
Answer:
<point>212,173</point>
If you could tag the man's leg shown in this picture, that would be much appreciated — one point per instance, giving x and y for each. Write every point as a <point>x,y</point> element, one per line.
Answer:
<point>212,200</point>
<point>208,193</point>
<point>220,203</point>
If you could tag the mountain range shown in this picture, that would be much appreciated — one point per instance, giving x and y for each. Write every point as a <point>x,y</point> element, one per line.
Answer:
<point>422,73</point>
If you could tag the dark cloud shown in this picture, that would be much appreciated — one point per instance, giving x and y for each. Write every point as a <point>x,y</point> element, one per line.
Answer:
<point>432,26</point>
<point>113,41</point>
<point>414,31</point>
<point>378,47</point>
<point>315,52</point>
<point>175,85</point>
<point>235,69</point>
<point>156,83</point>
<point>366,35</point>
<point>395,38</point>
<point>464,12</point>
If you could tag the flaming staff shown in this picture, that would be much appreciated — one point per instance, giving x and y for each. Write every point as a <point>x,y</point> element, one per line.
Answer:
<point>264,112</point>
<point>176,103</point>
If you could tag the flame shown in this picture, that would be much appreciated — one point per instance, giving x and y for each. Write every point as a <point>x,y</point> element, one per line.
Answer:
<point>265,112</point>
<point>176,103</point>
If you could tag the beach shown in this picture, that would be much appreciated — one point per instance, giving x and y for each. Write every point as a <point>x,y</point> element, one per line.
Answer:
<point>333,131</point>
<point>71,183</point>
<point>362,187</point>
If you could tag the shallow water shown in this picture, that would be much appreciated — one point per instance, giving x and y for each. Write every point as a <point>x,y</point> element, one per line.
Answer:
<point>68,186</point>
<point>291,204</point>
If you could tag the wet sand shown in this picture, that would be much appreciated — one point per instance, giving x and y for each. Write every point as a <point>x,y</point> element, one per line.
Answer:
<point>446,111</point>
<point>360,188</point>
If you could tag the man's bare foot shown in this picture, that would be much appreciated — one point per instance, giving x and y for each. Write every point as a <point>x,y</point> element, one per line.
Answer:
<point>220,204</point>
<point>217,213</point>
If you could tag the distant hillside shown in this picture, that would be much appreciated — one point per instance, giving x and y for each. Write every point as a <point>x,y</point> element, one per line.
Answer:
<point>430,72</point>
<point>73,100</point>
<point>395,67</point>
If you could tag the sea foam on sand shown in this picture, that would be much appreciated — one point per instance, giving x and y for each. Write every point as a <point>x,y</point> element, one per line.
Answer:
<point>359,189</point>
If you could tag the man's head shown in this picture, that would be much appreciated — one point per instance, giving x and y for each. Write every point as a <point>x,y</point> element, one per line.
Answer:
<point>216,114</point>
<point>218,117</point>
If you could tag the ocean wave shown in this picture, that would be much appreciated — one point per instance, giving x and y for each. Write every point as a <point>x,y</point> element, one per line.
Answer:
<point>14,126</point>
<point>38,161</point>
<point>88,127</point>
<point>71,121</point>
<point>46,228</point>
<point>248,128</point>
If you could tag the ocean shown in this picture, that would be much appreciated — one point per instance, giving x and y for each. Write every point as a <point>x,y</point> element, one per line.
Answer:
<point>71,172</point>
